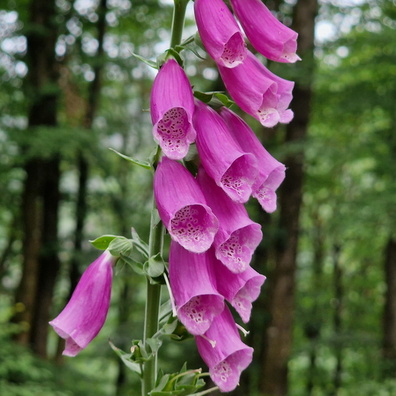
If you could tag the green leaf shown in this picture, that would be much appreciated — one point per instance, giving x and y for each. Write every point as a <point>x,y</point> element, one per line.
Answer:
<point>140,245</point>
<point>137,267</point>
<point>126,359</point>
<point>142,164</point>
<point>103,241</point>
<point>148,62</point>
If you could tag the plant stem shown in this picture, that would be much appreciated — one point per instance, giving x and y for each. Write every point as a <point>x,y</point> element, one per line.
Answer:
<point>153,300</point>
<point>157,237</point>
<point>179,13</point>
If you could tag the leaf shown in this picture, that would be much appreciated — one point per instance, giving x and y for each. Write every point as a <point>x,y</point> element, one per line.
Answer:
<point>137,267</point>
<point>148,62</point>
<point>126,359</point>
<point>103,241</point>
<point>142,164</point>
<point>155,266</point>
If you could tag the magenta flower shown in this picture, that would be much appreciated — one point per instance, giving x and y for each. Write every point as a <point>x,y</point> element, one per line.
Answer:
<point>259,92</point>
<point>172,108</point>
<point>85,313</point>
<point>193,287</point>
<point>271,171</point>
<point>225,162</point>
<point>219,32</point>
<point>268,36</point>
<point>240,290</point>
<point>238,235</point>
<point>182,207</point>
<point>224,352</point>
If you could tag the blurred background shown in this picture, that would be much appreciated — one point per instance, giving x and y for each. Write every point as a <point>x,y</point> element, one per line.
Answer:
<point>70,89</point>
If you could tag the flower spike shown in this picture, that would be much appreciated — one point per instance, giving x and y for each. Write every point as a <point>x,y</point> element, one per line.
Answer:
<point>219,32</point>
<point>182,207</point>
<point>85,313</point>
<point>172,108</point>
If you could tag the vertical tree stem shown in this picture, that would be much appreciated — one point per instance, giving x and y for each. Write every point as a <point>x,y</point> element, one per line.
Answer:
<point>156,237</point>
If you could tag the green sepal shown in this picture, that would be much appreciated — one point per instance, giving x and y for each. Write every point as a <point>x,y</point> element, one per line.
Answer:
<point>126,358</point>
<point>148,62</point>
<point>136,267</point>
<point>155,266</point>
<point>142,164</point>
<point>103,241</point>
<point>120,246</point>
<point>215,98</point>
<point>140,245</point>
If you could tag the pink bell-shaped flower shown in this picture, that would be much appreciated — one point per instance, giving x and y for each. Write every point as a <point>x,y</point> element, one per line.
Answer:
<point>225,162</point>
<point>193,287</point>
<point>238,235</point>
<point>241,289</point>
<point>259,92</point>
<point>267,34</point>
<point>219,32</point>
<point>223,351</point>
<point>182,207</point>
<point>85,313</point>
<point>271,171</point>
<point>172,108</point>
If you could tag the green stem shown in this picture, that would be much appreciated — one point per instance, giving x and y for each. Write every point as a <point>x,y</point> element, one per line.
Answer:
<point>153,300</point>
<point>179,13</point>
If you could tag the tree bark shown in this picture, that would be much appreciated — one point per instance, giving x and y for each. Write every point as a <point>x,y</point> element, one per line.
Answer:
<point>41,185</point>
<point>389,315</point>
<point>282,283</point>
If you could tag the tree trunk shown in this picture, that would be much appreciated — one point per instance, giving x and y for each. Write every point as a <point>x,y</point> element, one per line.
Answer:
<point>389,315</point>
<point>282,283</point>
<point>41,186</point>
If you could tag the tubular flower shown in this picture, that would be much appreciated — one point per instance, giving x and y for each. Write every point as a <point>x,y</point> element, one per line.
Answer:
<point>230,167</point>
<point>240,290</point>
<point>182,207</point>
<point>223,351</point>
<point>259,92</point>
<point>172,107</point>
<point>193,287</point>
<point>238,235</point>
<point>85,313</point>
<point>268,36</point>
<point>219,32</point>
<point>271,172</point>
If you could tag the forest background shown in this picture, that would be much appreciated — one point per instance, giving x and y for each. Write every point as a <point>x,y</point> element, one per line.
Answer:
<point>70,89</point>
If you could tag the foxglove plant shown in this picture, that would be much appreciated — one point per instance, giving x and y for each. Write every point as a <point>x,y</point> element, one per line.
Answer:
<point>182,207</point>
<point>270,171</point>
<point>223,351</point>
<point>219,32</point>
<point>259,92</point>
<point>85,313</point>
<point>225,162</point>
<point>194,289</point>
<point>200,202</point>
<point>267,35</point>
<point>171,109</point>
<point>238,236</point>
